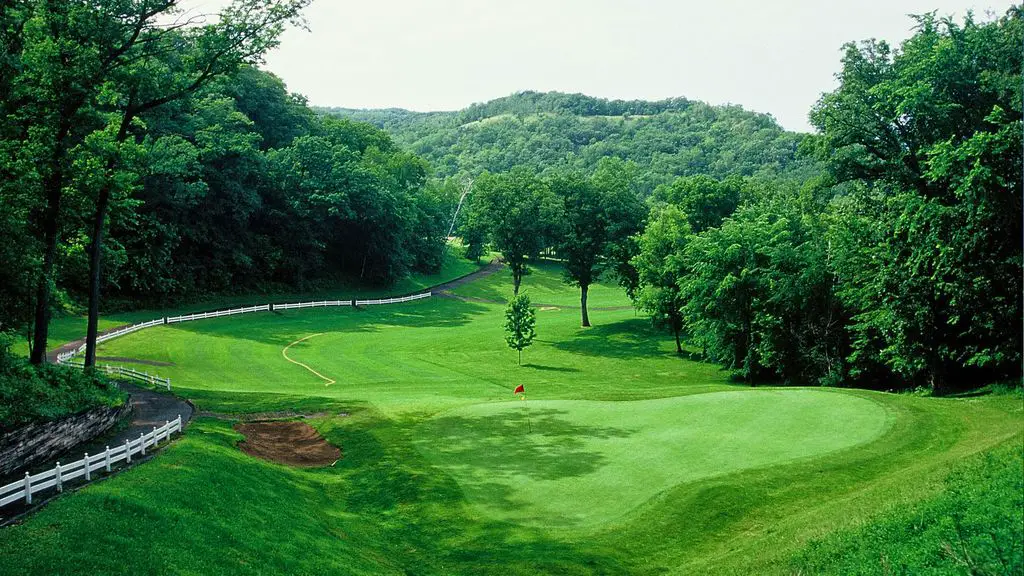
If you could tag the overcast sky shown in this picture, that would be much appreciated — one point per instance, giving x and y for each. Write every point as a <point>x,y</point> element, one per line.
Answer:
<point>774,56</point>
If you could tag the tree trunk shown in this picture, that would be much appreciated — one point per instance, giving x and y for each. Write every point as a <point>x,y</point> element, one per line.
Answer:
<point>95,263</point>
<point>583,305</point>
<point>96,246</point>
<point>517,279</point>
<point>679,346</point>
<point>51,224</point>
<point>520,357</point>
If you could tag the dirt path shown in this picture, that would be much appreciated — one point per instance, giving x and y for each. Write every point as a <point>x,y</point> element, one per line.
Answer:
<point>494,266</point>
<point>151,409</point>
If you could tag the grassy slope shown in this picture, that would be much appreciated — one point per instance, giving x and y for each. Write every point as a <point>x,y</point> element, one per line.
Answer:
<point>66,328</point>
<point>400,501</point>
<point>544,285</point>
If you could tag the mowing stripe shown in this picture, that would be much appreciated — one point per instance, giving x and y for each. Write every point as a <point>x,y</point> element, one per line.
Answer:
<point>285,354</point>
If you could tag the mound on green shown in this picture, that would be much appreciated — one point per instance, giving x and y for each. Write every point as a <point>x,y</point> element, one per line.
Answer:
<point>585,462</point>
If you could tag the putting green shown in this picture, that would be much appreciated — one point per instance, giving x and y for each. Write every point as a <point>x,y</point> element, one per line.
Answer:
<point>587,462</point>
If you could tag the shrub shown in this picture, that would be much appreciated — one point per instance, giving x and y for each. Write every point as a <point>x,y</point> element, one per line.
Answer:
<point>38,393</point>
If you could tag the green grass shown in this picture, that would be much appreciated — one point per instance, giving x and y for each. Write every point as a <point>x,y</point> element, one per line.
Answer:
<point>975,527</point>
<point>545,285</point>
<point>68,327</point>
<point>578,464</point>
<point>640,462</point>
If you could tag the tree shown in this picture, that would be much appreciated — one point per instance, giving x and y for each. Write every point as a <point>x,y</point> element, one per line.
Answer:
<point>659,264</point>
<point>705,200</point>
<point>69,48</point>
<point>157,71</point>
<point>520,324</point>
<point>519,214</point>
<point>599,215</point>
<point>925,144</point>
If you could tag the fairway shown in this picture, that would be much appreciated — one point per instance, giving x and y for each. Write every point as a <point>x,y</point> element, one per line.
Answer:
<point>639,461</point>
<point>586,463</point>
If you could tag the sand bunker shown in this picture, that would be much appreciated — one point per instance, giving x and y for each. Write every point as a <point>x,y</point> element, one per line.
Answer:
<point>291,443</point>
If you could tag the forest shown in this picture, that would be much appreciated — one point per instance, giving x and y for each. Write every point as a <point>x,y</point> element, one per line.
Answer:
<point>555,131</point>
<point>881,251</point>
<point>155,164</point>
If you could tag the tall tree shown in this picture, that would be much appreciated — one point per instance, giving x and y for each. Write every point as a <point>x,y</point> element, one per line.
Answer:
<point>926,142</point>
<point>519,213</point>
<point>69,50</point>
<point>167,63</point>
<point>660,267</point>
<point>599,216</point>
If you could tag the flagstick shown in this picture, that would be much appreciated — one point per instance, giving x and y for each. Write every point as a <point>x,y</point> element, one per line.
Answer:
<point>529,423</point>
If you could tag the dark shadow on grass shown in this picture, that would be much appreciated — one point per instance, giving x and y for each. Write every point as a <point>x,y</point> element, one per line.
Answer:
<point>631,338</point>
<point>279,328</point>
<point>430,528</point>
<point>496,446</point>
<point>544,368</point>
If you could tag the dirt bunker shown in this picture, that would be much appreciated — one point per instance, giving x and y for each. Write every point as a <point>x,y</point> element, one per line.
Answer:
<point>291,443</point>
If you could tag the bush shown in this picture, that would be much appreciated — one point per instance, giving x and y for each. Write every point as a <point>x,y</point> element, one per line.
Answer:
<point>975,526</point>
<point>38,393</point>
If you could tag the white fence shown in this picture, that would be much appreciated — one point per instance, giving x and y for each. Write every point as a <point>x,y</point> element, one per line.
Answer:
<point>393,300</point>
<point>319,304</point>
<point>216,314</point>
<point>127,373</point>
<point>22,490</point>
<point>64,357</point>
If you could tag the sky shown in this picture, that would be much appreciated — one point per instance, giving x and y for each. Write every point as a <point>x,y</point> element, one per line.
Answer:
<point>772,56</point>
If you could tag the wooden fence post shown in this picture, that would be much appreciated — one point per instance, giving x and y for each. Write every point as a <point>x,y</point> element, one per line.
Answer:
<point>88,474</point>
<point>156,439</point>
<point>60,478</point>
<point>28,488</point>
<point>142,442</point>
<point>128,451</point>
<point>167,429</point>
<point>108,459</point>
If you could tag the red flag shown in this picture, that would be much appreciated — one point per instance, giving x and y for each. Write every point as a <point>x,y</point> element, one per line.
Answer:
<point>519,390</point>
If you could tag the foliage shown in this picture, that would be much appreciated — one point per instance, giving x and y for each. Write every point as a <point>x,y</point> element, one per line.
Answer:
<point>925,143</point>
<point>660,269</point>
<point>975,526</point>
<point>518,213</point>
<point>547,131</point>
<point>520,324</point>
<point>900,265</point>
<point>598,217</point>
<point>39,393</point>
<point>757,296</point>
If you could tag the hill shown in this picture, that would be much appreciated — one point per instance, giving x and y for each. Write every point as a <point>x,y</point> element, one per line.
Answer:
<point>666,138</point>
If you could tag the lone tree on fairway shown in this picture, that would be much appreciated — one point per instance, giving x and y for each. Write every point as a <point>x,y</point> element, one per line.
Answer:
<point>599,215</point>
<point>520,321</point>
<point>517,212</point>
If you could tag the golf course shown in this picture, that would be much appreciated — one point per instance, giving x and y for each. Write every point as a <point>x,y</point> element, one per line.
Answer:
<point>622,458</point>
<point>449,288</point>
